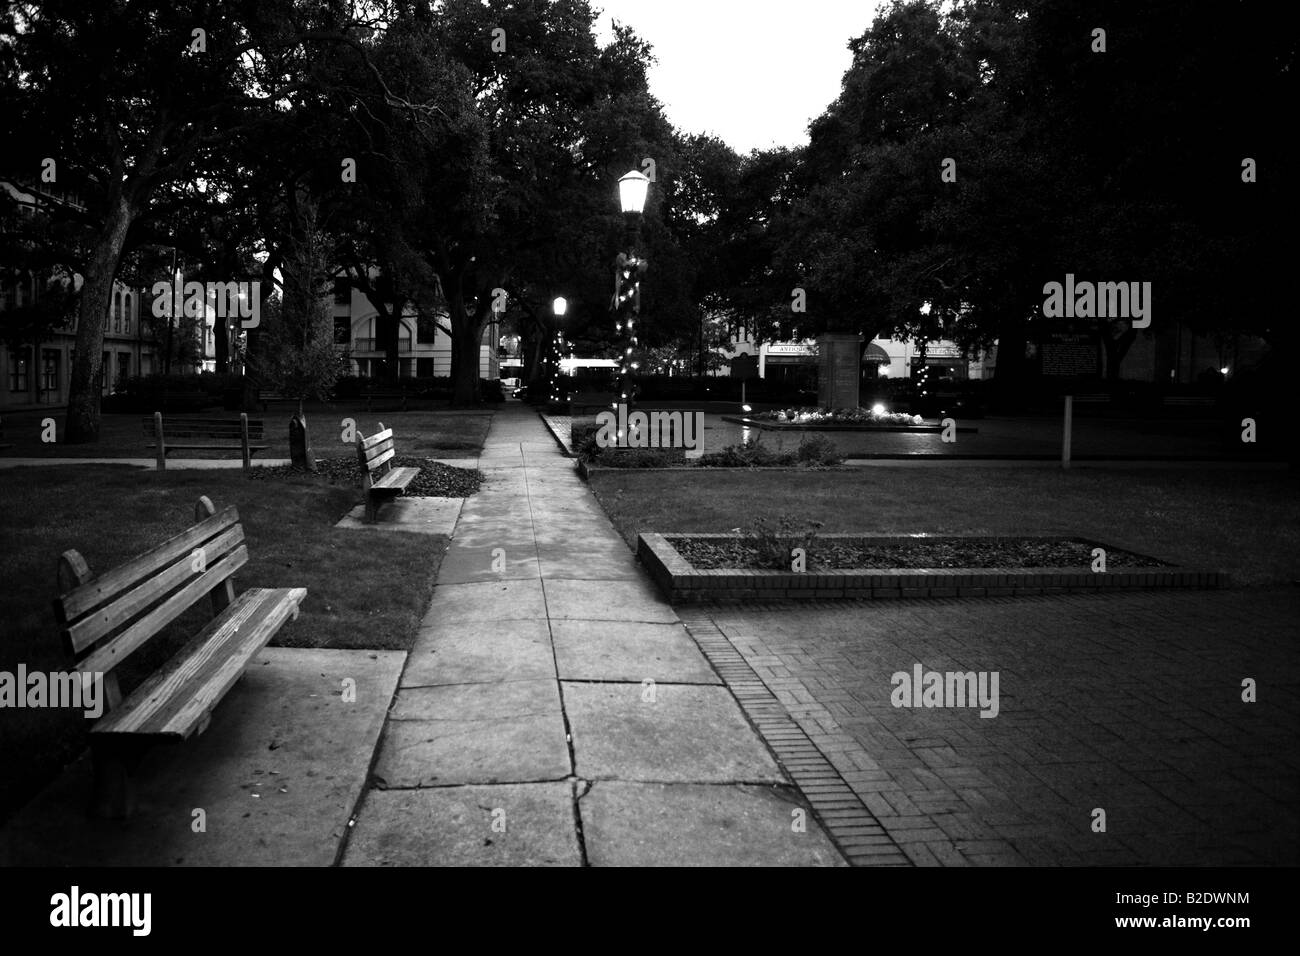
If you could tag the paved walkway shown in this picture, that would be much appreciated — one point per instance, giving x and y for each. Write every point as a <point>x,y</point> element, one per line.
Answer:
<point>1131,703</point>
<point>554,710</point>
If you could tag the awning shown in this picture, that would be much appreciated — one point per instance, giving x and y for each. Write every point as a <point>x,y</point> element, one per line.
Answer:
<point>873,353</point>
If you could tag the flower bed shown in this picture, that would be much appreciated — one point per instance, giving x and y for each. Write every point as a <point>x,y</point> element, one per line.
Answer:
<point>901,566</point>
<point>837,416</point>
<point>850,554</point>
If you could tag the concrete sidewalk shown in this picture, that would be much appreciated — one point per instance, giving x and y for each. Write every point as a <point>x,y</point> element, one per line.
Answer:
<point>555,711</point>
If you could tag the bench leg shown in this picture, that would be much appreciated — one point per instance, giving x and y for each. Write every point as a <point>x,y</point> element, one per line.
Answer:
<point>114,793</point>
<point>372,509</point>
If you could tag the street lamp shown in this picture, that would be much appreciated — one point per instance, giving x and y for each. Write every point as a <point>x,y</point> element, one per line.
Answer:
<point>632,189</point>
<point>628,269</point>
<point>559,306</point>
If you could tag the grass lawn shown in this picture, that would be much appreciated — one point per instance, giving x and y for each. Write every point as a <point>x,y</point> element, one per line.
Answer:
<point>1246,523</point>
<point>429,432</point>
<point>364,589</point>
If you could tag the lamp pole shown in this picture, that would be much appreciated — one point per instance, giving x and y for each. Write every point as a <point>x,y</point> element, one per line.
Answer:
<point>628,270</point>
<point>559,307</point>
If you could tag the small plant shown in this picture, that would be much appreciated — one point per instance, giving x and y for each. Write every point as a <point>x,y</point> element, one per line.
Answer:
<point>749,454</point>
<point>818,450</point>
<point>773,545</point>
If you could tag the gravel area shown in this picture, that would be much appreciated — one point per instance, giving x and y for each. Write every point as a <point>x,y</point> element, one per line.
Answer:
<point>435,479</point>
<point>932,553</point>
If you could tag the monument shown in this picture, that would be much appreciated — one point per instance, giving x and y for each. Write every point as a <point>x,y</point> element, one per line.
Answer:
<point>838,359</point>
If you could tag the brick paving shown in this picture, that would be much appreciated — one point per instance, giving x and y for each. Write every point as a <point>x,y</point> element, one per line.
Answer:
<point>1131,703</point>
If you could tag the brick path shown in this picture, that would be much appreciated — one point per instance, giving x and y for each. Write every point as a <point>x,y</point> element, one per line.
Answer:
<point>1129,703</point>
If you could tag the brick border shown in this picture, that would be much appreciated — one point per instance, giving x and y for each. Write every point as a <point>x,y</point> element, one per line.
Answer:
<point>772,426</point>
<point>849,822</point>
<point>683,583</point>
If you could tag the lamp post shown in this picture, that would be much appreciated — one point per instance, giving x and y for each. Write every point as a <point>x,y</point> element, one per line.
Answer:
<point>628,270</point>
<point>559,307</point>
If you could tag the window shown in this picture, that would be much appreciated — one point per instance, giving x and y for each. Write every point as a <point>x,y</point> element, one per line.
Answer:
<point>10,300</point>
<point>50,370</point>
<point>123,368</point>
<point>342,291</point>
<point>342,330</point>
<point>127,303</point>
<point>20,370</point>
<point>424,367</point>
<point>426,330</point>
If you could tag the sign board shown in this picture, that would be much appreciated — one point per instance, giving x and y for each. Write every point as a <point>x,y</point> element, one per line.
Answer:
<point>1069,350</point>
<point>744,366</point>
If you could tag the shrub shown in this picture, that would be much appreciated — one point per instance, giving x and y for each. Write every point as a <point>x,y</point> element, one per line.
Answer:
<point>774,545</point>
<point>818,450</point>
<point>748,454</point>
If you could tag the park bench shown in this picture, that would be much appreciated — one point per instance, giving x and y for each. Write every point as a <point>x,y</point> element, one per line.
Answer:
<point>582,404</point>
<point>388,396</point>
<point>380,480</point>
<point>105,618</point>
<point>266,398</point>
<point>218,434</point>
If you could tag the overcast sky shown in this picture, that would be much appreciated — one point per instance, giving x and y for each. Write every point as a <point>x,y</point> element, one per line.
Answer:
<point>752,72</point>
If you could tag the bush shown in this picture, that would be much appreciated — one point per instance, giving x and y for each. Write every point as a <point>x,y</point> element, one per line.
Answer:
<point>167,393</point>
<point>583,441</point>
<point>774,545</point>
<point>818,450</point>
<point>749,454</point>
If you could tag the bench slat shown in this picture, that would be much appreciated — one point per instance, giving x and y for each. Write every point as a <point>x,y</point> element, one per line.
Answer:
<point>111,654</point>
<point>176,700</point>
<point>384,435</point>
<point>128,604</point>
<point>397,478</point>
<point>383,447</point>
<point>379,461</point>
<point>106,586</point>
<point>187,447</point>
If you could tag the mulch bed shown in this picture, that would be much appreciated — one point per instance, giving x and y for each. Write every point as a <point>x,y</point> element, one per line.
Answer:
<point>435,479</point>
<point>924,553</point>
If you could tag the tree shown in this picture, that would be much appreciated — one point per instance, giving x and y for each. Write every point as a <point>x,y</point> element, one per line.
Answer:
<point>297,355</point>
<point>115,101</point>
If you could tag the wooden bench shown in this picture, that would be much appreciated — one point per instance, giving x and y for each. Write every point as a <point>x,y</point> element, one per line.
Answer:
<point>389,395</point>
<point>222,434</point>
<point>106,618</point>
<point>266,398</point>
<point>582,404</point>
<point>379,478</point>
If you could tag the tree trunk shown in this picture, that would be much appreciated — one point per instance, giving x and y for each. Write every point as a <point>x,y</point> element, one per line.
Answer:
<point>388,330</point>
<point>300,451</point>
<point>466,334</point>
<point>82,424</point>
<point>221,344</point>
<point>1116,349</point>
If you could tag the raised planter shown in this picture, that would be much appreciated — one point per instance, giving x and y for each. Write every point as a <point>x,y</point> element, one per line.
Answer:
<point>841,426</point>
<point>683,583</point>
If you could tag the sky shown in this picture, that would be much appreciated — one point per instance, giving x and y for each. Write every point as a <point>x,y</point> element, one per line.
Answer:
<point>752,72</point>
